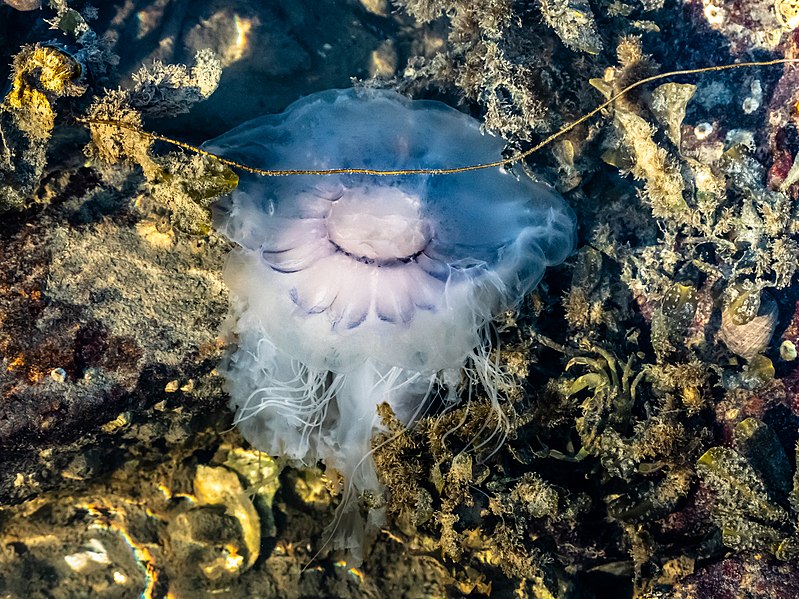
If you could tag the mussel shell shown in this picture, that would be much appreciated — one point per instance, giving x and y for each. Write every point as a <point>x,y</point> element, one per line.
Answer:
<point>752,337</point>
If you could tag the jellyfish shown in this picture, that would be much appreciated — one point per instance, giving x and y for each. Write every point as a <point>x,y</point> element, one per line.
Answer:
<point>350,291</point>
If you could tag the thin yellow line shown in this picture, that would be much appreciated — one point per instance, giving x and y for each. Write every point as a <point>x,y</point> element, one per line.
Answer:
<point>438,171</point>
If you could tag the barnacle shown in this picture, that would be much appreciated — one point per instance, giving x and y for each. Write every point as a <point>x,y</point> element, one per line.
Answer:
<point>748,323</point>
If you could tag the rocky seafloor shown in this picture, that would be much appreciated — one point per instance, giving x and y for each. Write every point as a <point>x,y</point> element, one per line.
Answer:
<point>652,388</point>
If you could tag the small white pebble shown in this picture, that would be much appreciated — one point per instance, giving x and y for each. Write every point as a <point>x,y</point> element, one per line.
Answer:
<point>750,105</point>
<point>95,552</point>
<point>703,130</point>
<point>788,351</point>
<point>77,561</point>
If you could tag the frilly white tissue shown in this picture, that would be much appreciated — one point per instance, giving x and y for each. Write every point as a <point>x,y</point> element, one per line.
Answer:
<point>348,291</point>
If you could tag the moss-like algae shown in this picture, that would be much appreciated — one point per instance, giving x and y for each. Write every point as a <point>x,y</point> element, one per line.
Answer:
<point>754,504</point>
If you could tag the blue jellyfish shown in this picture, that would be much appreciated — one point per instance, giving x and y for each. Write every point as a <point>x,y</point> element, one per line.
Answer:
<point>349,291</point>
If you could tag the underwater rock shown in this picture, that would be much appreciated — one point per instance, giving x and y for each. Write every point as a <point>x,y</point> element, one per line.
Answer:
<point>744,574</point>
<point>272,52</point>
<point>498,53</point>
<point>95,319</point>
<point>24,4</point>
<point>221,487</point>
<point>353,290</point>
<point>40,75</point>
<point>747,24</point>
<point>782,134</point>
<point>158,526</point>
<point>752,485</point>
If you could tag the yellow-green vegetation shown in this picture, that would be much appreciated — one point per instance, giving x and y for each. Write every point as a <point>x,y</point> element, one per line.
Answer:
<point>40,75</point>
<point>664,336</point>
<point>181,187</point>
<point>756,498</point>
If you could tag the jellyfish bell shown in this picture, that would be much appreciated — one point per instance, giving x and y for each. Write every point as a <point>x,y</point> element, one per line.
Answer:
<point>351,290</point>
